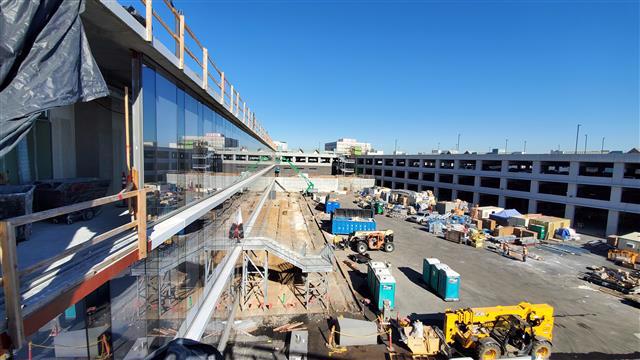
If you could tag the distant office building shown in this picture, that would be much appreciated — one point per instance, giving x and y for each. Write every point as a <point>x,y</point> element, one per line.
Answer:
<point>348,147</point>
<point>281,145</point>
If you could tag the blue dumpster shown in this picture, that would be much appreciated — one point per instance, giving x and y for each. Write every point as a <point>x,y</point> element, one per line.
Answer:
<point>427,263</point>
<point>347,225</point>
<point>331,206</point>
<point>448,284</point>
<point>433,278</point>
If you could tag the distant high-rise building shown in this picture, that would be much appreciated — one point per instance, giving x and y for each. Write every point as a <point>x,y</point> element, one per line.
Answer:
<point>281,145</point>
<point>348,147</point>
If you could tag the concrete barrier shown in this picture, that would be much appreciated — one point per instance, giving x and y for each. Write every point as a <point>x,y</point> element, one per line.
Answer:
<point>324,184</point>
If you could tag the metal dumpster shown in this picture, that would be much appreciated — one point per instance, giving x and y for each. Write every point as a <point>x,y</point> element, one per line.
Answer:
<point>16,200</point>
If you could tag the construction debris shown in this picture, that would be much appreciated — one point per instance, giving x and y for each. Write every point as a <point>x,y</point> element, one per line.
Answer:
<point>626,282</point>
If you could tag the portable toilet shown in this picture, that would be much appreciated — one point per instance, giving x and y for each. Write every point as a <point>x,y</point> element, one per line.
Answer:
<point>427,263</point>
<point>385,290</point>
<point>448,284</point>
<point>375,275</point>
<point>434,273</point>
<point>373,268</point>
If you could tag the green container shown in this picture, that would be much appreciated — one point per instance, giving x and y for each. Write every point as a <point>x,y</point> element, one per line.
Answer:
<point>427,263</point>
<point>541,230</point>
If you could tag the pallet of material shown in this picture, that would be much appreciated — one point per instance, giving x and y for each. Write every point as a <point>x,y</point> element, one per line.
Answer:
<point>626,282</point>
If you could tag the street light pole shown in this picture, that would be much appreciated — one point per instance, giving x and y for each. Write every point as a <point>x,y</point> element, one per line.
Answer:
<point>506,145</point>
<point>524,151</point>
<point>577,134</point>
<point>585,142</point>
<point>602,148</point>
<point>458,144</point>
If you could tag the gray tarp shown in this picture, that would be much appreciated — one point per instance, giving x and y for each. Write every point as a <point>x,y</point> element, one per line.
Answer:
<point>45,62</point>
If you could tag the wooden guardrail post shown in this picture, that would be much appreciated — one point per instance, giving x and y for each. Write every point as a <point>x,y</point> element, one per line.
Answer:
<point>222,87</point>
<point>141,219</point>
<point>205,68</point>
<point>11,284</point>
<point>149,19</point>
<point>181,35</point>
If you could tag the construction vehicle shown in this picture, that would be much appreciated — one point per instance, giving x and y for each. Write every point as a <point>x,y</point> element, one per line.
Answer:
<point>310,186</point>
<point>367,240</point>
<point>520,330</point>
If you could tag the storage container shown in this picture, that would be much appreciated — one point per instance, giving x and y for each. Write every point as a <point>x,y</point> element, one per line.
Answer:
<point>427,263</point>
<point>541,230</point>
<point>433,278</point>
<point>448,284</point>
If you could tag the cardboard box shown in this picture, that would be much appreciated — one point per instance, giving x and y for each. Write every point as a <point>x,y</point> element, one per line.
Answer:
<point>523,232</point>
<point>503,231</point>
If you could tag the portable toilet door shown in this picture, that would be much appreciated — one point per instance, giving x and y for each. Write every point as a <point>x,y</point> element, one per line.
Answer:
<point>377,273</point>
<point>449,285</point>
<point>386,290</point>
<point>427,263</point>
<point>435,269</point>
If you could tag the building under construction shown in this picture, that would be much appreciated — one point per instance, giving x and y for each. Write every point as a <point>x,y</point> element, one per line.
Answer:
<point>142,201</point>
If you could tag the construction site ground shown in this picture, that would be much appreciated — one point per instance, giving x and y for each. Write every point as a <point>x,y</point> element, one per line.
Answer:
<point>288,220</point>
<point>589,323</point>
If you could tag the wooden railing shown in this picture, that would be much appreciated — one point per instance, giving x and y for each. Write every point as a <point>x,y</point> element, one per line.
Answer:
<point>213,79</point>
<point>11,275</point>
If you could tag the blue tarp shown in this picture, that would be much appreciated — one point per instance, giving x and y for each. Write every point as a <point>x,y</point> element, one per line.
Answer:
<point>505,214</point>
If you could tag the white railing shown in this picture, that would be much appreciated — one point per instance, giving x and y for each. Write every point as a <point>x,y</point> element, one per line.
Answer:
<point>213,79</point>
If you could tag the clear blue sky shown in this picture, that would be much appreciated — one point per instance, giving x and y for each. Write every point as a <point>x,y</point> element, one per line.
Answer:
<point>423,71</point>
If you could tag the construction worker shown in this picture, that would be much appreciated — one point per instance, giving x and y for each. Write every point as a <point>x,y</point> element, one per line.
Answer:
<point>505,248</point>
<point>525,252</point>
<point>277,171</point>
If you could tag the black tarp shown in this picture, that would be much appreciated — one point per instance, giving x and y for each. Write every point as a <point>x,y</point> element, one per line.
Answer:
<point>185,349</point>
<point>45,62</point>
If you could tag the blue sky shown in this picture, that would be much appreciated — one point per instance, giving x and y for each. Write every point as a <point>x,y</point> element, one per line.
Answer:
<point>424,71</point>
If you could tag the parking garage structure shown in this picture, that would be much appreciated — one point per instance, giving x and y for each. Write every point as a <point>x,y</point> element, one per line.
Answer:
<point>600,193</point>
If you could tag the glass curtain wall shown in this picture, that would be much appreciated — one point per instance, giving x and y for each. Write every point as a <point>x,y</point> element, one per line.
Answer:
<point>184,142</point>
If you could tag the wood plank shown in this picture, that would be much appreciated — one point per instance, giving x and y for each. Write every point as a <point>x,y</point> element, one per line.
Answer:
<point>11,284</point>
<point>47,214</point>
<point>141,219</point>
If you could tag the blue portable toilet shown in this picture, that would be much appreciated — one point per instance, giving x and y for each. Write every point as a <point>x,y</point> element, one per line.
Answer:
<point>385,290</point>
<point>434,274</point>
<point>449,284</point>
<point>427,263</point>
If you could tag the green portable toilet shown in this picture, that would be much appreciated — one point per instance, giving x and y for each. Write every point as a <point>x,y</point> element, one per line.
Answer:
<point>427,263</point>
<point>385,290</point>
<point>433,280</point>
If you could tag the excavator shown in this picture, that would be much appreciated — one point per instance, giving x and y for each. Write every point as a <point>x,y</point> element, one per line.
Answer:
<point>492,332</point>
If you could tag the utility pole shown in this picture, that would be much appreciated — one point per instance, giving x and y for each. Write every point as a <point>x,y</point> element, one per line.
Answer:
<point>585,143</point>
<point>395,148</point>
<point>438,148</point>
<point>524,151</point>
<point>506,145</point>
<point>577,134</point>
<point>602,147</point>
<point>458,143</point>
